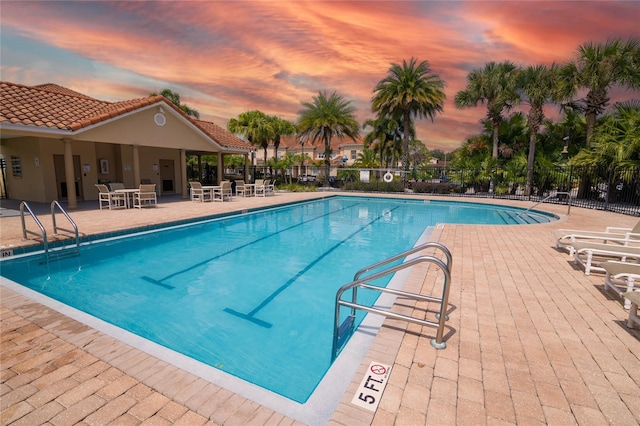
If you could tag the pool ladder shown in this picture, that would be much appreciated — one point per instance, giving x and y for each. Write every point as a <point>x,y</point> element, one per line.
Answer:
<point>43,233</point>
<point>341,332</point>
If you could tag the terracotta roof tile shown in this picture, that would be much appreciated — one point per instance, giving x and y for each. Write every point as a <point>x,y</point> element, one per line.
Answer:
<point>53,106</point>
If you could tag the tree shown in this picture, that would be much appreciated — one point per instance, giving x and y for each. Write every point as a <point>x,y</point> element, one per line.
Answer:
<point>409,90</point>
<point>536,85</point>
<point>325,118</point>
<point>280,128</point>
<point>597,68</point>
<point>495,86</point>
<point>385,133</point>
<point>174,97</point>
<point>255,126</point>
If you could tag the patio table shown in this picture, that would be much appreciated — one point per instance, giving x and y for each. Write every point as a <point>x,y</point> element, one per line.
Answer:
<point>129,194</point>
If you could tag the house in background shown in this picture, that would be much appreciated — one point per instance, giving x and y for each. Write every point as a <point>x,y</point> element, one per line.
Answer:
<point>344,152</point>
<point>57,143</point>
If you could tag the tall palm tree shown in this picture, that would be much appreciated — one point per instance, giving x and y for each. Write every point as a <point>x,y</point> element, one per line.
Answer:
<point>409,90</point>
<point>494,85</point>
<point>255,126</point>
<point>281,128</point>
<point>597,68</point>
<point>537,86</point>
<point>325,118</point>
<point>174,97</point>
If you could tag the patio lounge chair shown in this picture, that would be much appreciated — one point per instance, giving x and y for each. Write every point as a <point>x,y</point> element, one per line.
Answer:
<point>590,255</point>
<point>634,300</point>
<point>198,193</point>
<point>223,192</point>
<point>624,236</point>
<point>113,200</point>
<point>146,196</point>
<point>621,277</point>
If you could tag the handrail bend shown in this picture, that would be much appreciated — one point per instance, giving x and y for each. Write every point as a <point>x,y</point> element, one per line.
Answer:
<point>73,231</point>
<point>364,283</point>
<point>25,231</point>
<point>399,256</point>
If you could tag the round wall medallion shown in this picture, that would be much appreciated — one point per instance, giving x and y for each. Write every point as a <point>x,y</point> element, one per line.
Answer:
<point>160,119</point>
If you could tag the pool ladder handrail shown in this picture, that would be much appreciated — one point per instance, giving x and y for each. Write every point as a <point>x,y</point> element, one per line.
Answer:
<point>25,231</point>
<point>568,194</point>
<point>43,231</point>
<point>363,283</point>
<point>57,228</point>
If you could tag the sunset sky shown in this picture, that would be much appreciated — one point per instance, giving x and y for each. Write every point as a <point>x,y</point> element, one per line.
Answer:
<point>227,57</point>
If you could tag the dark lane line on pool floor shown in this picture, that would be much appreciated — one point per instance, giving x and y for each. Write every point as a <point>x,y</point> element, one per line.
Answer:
<point>251,315</point>
<point>204,262</point>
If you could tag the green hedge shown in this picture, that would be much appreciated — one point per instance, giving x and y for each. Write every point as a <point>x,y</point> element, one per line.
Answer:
<point>375,186</point>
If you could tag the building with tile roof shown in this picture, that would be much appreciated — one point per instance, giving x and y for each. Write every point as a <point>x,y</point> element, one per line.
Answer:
<point>57,144</point>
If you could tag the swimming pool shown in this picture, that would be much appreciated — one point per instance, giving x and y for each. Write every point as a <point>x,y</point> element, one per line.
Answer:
<point>252,294</point>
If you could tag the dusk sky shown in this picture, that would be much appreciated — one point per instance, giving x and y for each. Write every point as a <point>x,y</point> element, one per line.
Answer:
<point>227,57</point>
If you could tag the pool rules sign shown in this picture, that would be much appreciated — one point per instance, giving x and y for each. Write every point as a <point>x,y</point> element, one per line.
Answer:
<point>373,383</point>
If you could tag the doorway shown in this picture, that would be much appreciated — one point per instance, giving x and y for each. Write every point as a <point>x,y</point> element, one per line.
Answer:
<point>167,176</point>
<point>61,179</point>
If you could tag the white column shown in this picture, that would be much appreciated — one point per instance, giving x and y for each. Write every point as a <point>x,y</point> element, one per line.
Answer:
<point>136,166</point>
<point>183,173</point>
<point>69,175</point>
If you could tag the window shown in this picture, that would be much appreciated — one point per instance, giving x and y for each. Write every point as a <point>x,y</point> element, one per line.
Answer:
<point>16,166</point>
<point>353,154</point>
<point>321,155</point>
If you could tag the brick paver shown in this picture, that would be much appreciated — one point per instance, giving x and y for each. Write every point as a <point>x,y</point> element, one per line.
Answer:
<point>530,340</point>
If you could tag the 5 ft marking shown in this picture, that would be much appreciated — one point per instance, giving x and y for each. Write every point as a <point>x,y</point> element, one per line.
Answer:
<point>372,386</point>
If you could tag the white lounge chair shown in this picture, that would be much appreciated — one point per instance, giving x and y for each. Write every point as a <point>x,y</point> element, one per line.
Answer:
<point>621,277</point>
<point>624,236</point>
<point>590,255</point>
<point>634,300</point>
<point>146,196</point>
<point>113,200</point>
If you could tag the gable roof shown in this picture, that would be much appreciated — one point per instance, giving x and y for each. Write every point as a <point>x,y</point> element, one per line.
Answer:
<point>53,107</point>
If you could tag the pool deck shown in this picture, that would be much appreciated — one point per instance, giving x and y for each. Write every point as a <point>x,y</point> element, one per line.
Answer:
<point>530,340</point>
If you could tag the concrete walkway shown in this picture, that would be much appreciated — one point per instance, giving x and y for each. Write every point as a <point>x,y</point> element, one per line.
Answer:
<point>530,340</point>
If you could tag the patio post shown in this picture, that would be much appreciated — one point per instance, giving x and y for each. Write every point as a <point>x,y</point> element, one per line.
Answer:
<point>69,175</point>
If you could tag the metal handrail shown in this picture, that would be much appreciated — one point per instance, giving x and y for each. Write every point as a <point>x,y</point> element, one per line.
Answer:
<point>568,194</point>
<point>399,256</point>
<point>74,231</point>
<point>363,283</point>
<point>25,231</point>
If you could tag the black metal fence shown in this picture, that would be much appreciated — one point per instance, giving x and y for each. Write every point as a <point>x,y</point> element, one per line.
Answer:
<point>614,189</point>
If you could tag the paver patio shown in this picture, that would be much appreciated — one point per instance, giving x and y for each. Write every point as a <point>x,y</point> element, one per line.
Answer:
<point>530,340</point>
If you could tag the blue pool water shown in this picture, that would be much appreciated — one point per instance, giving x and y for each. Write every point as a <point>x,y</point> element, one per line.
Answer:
<point>252,294</point>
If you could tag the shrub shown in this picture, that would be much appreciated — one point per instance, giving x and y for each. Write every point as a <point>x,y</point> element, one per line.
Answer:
<point>375,186</point>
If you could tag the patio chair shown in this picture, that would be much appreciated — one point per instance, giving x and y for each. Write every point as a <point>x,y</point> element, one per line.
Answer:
<point>241,189</point>
<point>113,200</point>
<point>621,277</point>
<point>223,192</point>
<point>633,298</point>
<point>116,185</point>
<point>591,255</point>
<point>146,196</point>
<point>198,193</point>
<point>263,188</point>
<point>624,236</point>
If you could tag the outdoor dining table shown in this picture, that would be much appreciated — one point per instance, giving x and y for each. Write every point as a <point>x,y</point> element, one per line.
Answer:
<point>210,189</point>
<point>251,187</point>
<point>129,194</point>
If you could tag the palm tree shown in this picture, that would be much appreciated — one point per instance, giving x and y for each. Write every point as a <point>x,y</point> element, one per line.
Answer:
<point>597,68</point>
<point>280,128</point>
<point>385,132</point>
<point>255,126</point>
<point>409,90</point>
<point>325,118</point>
<point>493,85</point>
<point>174,97</point>
<point>536,85</point>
